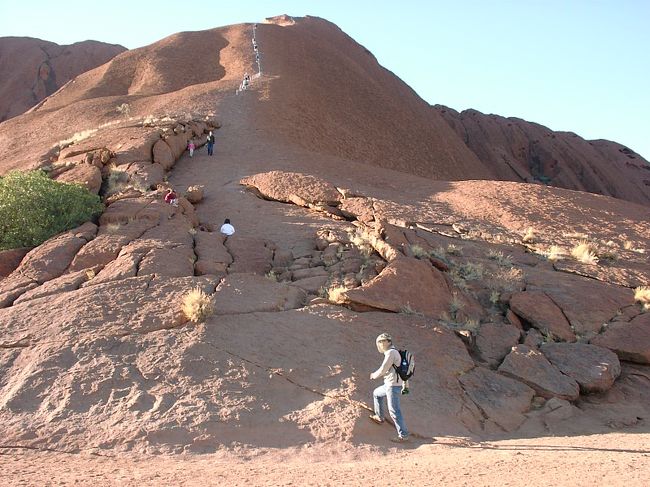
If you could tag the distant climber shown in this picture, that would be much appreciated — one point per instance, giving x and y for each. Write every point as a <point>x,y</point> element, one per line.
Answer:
<point>191,147</point>
<point>171,197</point>
<point>391,389</point>
<point>227,229</point>
<point>211,140</point>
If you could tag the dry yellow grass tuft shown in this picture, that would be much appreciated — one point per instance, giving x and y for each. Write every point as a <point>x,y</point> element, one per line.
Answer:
<point>197,305</point>
<point>554,253</point>
<point>335,294</point>
<point>584,252</point>
<point>529,236</point>
<point>642,296</point>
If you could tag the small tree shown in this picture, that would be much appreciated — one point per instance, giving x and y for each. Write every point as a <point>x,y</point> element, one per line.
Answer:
<point>34,207</point>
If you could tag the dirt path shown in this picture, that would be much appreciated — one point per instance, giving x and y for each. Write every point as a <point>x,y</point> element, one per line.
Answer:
<point>611,460</point>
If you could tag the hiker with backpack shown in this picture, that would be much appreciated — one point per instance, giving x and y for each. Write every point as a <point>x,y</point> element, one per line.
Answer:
<point>396,369</point>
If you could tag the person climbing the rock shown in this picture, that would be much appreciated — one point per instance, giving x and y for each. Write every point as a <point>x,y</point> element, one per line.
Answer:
<point>227,229</point>
<point>391,389</point>
<point>191,147</point>
<point>246,81</point>
<point>171,197</point>
<point>210,143</point>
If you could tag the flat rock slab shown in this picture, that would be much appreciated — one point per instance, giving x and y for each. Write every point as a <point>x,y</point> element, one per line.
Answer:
<point>542,313</point>
<point>406,282</point>
<point>502,399</point>
<point>311,285</point>
<point>247,293</point>
<point>594,368</point>
<point>292,187</point>
<point>533,369</point>
<point>586,303</point>
<point>630,341</point>
<point>250,255</point>
<point>494,341</point>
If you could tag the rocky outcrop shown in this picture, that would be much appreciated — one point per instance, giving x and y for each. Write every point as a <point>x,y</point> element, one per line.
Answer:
<point>405,283</point>
<point>503,400</point>
<point>494,341</point>
<point>9,260</point>
<point>630,341</point>
<point>246,293</point>
<point>541,312</point>
<point>516,150</point>
<point>33,69</point>
<point>87,175</point>
<point>594,368</point>
<point>533,369</point>
<point>296,188</point>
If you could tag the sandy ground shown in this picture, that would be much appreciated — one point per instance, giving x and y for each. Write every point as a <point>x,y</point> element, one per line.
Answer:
<point>608,460</point>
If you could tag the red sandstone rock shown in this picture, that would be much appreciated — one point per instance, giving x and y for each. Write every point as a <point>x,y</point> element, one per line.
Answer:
<point>245,293</point>
<point>406,282</point>
<point>594,368</point>
<point>630,341</point>
<point>163,155</point>
<point>249,254</point>
<point>87,175</point>
<point>533,369</point>
<point>300,189</point>
<point>9,260</point>
<point>502,399</point>
<point>494,341</point>
<point>542,313</point>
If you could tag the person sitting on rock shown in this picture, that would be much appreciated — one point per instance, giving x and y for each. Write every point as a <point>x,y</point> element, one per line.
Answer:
<point>391,389</point>
<point>191,147</point>
<point>227,229</point>
<point>171,197</point>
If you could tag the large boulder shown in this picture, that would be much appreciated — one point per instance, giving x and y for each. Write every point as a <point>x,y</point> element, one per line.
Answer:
<point>292,187</point>
<point>586,303</point>
<point>145,175</point>
<point>406,283</point>
<point>594,368</point>
<point>630,341</point>
<point>541,312</point>
<point>495,340</point>
<point>9,260</point>
<point>87,175</point>
<point>163,155</point>
<point>533,369</point>
<point>52,258</point>
<point>502,399</point>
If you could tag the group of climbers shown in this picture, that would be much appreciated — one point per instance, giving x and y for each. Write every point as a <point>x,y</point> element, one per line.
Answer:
<point>246,81</point>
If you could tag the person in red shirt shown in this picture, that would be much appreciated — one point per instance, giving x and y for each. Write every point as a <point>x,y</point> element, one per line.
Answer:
<point>171,198</point>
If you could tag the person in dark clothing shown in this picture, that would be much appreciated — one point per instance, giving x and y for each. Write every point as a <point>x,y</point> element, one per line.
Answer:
<point>210,143</point>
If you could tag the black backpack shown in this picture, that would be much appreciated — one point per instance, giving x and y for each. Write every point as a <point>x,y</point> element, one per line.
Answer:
<point>406,367</point>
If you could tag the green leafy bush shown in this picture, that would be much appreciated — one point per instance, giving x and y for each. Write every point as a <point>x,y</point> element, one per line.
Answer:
<point>34,207</point>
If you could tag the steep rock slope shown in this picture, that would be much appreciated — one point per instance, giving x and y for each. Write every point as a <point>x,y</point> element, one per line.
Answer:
<point>518,150</point>
<point>32,69</point>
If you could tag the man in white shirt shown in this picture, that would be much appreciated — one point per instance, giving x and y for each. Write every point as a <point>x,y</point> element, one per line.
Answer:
<point>391,389</point>
<point>227,229</point>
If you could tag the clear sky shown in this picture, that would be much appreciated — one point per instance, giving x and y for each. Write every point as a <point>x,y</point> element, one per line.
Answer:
<point>578,65</point>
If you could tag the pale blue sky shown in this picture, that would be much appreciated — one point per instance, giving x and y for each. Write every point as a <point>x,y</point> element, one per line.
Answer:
<point>575,65</point>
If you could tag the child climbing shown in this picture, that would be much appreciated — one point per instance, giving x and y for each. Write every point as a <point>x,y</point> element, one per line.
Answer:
<point>191,147</point>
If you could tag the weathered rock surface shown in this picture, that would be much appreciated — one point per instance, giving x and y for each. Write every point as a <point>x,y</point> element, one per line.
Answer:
<point>288,187</point>
<point>502,399</point>
<point>569,291</point>
<point>406,282</point>
<point>9,260</point>
<point>213,256</point>
<point>542,313</point>
<point>630,341</point>
<point>494,341</point>
<point>594,368</point>
<point>250,254</point>
<point>87,175</point>
<point>246,293</point>
<point>533,369</point>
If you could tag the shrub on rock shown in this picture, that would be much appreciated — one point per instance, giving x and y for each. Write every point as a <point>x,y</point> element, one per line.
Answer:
<point>34,207</point>
<point>197,305</point>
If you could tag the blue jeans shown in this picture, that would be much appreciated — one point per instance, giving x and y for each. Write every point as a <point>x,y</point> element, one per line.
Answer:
<point>210,148</point>
<point>392,395</point>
